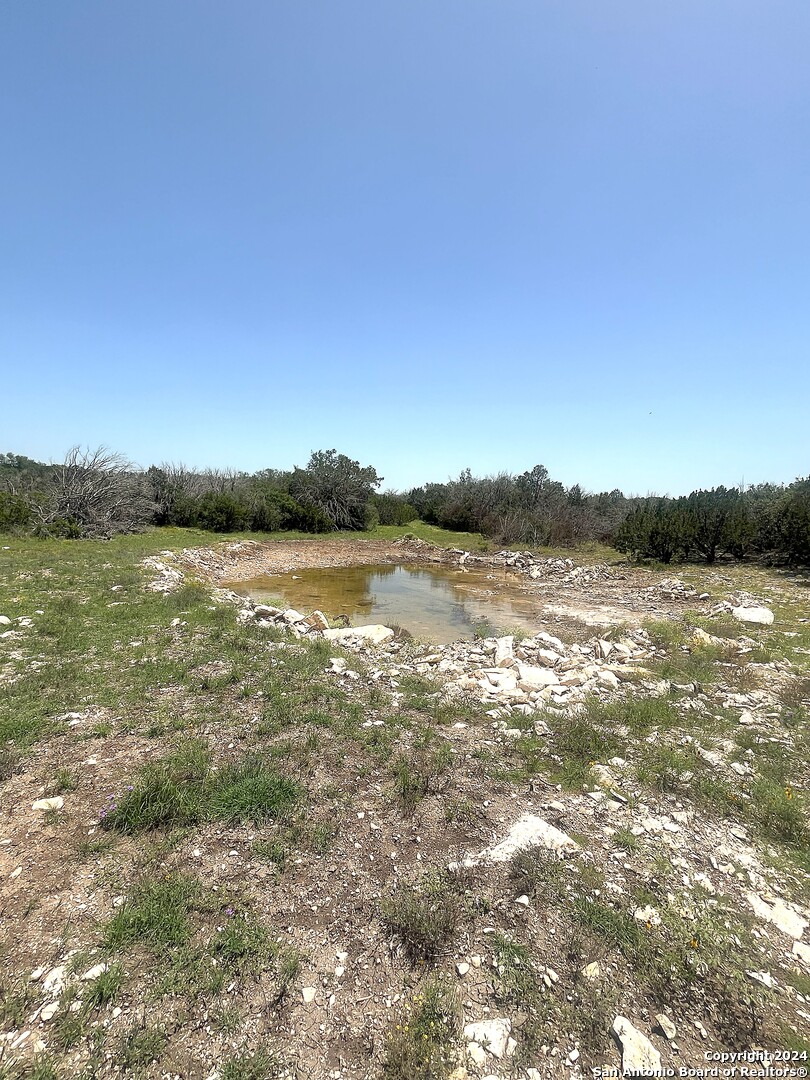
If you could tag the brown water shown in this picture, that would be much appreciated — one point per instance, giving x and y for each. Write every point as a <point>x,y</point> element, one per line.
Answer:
<point>435,604</point>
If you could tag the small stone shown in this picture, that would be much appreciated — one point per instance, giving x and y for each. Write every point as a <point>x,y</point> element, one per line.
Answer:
<point>638,1053</point>
<point>592,971</point>
<point>308,994</point>
<point>522,900</point>
<point>49,1011</point>
<point>648,915</point>
<point>462,969</point>
<point>317,620</point>
<point>55,803</point>
<point>94,972</point>
<point>37,974</point>
<point>666,1026</point>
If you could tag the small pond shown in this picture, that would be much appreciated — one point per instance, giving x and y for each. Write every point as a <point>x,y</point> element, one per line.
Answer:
<point>436,604</point>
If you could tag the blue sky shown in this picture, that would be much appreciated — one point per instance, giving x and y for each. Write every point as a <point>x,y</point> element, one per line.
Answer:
<point>432,234</point>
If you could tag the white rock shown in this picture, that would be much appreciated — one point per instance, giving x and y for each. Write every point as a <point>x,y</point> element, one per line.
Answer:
<point>477,1053</point>
<point>535,678</point>
<point>94,972</point>
<point>374,633</point>
<point>56,803</point>
<point>462,969</point>
<point>308,994</point>
<point>491,1034</point>
<point>264,611</point>
<point>638,1053</point>
<point>528,831</point>
<point>666,1026</point>
<point>761,615</point>
<point>292,616</point>
<point>504,649</point>
<point>5,620</point>
<point>49,1011</point>
<point>592,971</point>
<point>608,679</point>
<point>54,981</point>
<point>647,914</point>
<point>786,919</point>
<point>522,900</point>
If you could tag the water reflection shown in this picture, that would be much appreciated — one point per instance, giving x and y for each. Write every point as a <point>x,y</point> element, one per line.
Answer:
<point>434,603</point>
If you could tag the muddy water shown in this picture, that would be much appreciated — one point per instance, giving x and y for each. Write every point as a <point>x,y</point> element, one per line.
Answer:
<point>435,604</point>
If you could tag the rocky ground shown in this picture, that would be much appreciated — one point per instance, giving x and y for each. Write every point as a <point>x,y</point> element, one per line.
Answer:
<point>239,843</point>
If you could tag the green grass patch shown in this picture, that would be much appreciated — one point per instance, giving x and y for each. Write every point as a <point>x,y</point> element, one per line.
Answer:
<point>185,789</point>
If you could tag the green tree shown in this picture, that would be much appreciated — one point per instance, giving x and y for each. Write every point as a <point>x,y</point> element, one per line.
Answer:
<point>336,487</point>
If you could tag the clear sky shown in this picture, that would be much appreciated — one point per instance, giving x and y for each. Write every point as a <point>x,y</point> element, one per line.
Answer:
<point>430,233</point>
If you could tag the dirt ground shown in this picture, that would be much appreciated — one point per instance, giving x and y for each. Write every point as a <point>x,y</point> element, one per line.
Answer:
<point>343,733</point>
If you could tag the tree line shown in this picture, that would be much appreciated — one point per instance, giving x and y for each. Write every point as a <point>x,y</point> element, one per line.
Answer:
<point>99,493</point>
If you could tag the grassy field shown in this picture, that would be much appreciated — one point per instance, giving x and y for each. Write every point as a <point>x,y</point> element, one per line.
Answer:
<point>244,871</point>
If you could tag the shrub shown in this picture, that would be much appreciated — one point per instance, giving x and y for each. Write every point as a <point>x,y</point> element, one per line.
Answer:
<point>424,915</point>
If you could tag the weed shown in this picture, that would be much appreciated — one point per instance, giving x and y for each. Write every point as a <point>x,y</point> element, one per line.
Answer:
<point>140,1046</point>
<point>463,811</point>
<point>64,780</point>
<point>10,762</point>
<point>420,773</point>
<point>242,943</point>
<point>260,1065</point>
<point>539,873</point>
<point>626,840</point>
<point>274,851</point>
<point>250,791</point>
<point>424,915</point>
<point>420,1046</point>
<point>103,989</point>
<point>518,980</point>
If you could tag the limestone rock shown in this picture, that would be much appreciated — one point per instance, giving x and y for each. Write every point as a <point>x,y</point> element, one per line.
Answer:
<point>666,1026</point>
<point>535,678</point>
<point>784,918</point>
<point>493,1035</point>
<point>374,633</point>
<point>94,972</point>
<point>54,803</point>
<point>529,831</point>
<point>761,615</point>
<point>504,650</point>
<point>292,616</point>
<point>317,620</point>
<point>264,611</point>
<point>638,1053</point>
